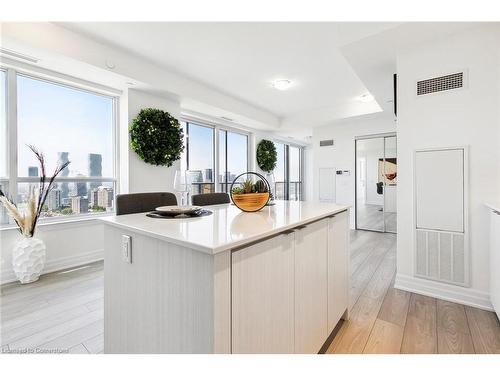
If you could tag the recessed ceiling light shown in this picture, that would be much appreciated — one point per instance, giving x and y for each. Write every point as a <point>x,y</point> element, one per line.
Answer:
<point>282,84</point>
<point>366,98</point>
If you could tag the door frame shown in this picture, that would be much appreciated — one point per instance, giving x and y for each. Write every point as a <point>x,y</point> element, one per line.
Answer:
<point>356,139</point>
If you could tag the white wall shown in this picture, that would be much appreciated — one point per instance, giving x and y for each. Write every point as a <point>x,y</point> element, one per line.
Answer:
<point>463,117</point>
<point>145,177</point>
<point>74,243</point>
<point>68,244</point>
<point>342,155</point>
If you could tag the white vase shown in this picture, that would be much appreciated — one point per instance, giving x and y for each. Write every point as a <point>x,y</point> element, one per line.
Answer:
<point>28,259</point>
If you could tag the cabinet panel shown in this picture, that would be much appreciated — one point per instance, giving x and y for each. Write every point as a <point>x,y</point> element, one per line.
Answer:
<point>338,268</point>
<point>263,297</point>
<point>311,329</point>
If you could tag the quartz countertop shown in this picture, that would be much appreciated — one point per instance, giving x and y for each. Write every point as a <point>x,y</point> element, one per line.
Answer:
<point>228,227</point>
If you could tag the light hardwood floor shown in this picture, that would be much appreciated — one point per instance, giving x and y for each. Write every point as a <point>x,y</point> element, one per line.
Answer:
<point>64,311</point>
<point>387,320</point>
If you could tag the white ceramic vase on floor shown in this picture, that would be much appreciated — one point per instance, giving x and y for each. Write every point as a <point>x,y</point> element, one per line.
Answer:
<point>28,259</point>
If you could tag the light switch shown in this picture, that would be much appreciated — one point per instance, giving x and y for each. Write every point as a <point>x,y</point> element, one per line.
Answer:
<point>127,248</point>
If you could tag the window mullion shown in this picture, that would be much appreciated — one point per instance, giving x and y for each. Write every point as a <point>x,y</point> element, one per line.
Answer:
<point>12,132</point>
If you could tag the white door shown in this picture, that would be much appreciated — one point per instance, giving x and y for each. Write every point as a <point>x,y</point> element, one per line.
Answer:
<point>311,329</point>
<point>263,297</point>
<point>338,268</point>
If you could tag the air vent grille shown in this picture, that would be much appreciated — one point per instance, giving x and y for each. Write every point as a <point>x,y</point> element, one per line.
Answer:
<point>326,142</point>
<point>444,83</point>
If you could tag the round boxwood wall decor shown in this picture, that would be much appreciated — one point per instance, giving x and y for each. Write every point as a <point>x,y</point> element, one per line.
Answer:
<point>156,137</point>
<point>266,155</point>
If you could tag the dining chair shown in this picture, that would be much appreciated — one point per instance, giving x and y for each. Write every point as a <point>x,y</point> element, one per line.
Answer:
<point>209,199</point>
<point>143,202</point>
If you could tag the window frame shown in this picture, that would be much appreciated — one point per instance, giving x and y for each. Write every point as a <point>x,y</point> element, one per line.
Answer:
<point>12,179</point>
<point>215,143</point>
<point>286,188</point>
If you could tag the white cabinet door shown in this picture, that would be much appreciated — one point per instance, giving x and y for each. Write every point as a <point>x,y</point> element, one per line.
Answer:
<point>495,261</point>
<point>263,297</point>
<point>338,268</point>
<point>311,329</point>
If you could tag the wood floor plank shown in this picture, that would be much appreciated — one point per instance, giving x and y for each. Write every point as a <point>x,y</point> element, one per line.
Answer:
<point>394,308</point>
<point>95,344</point>
<point>452,329</point>
<point>424,309</point>
<point>415,340</point>
<point>18,333</point>
<point>454,342</point>
<point>47,335</point>
<point>485,330</point>
<point>78,349</point>
<point>385,338</point>
<point>359,326</point>
<point>75,337</point>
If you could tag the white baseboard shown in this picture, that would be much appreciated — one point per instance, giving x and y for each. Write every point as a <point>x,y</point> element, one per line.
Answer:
<point>7,274</point>
<point>447,292</point>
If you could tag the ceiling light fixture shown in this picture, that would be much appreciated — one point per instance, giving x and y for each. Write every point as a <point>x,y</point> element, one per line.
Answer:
<point>282,84</point>
<point>366,98</point>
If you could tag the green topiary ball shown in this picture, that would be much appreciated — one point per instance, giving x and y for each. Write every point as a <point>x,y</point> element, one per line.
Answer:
<point>266,155</point>
<point>156,137</point>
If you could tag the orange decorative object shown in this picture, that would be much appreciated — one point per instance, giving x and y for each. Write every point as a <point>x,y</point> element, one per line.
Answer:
<point>250,202</point>
<point>251,194</point>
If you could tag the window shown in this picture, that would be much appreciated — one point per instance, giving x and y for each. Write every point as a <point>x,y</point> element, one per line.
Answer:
<point>210,171</point>
<point>3,142</point>
<point>233,157</point>
<point>199,157</point>
<point>65,123</point>
<point>288,172</point>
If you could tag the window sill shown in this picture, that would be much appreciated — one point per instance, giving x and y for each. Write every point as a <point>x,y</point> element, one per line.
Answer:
<point>54,223</point>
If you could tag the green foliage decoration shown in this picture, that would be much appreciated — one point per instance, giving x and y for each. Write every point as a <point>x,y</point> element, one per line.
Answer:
<point>156,137</point>
<point>266,155</point>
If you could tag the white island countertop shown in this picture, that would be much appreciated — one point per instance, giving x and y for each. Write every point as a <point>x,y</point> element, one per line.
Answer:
<point>228,227</point>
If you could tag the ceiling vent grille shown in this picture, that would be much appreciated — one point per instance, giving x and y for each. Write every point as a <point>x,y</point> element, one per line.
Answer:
<point>438,84</point>
<point>326,142</point>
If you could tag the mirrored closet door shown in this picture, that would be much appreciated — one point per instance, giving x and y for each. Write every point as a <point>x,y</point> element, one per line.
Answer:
<point>376,183</point>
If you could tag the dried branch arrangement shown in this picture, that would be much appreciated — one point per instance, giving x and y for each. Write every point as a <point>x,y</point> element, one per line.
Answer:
<point>28,219</point>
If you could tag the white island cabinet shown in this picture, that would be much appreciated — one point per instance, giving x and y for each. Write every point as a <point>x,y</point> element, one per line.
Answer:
<point>274,281</point>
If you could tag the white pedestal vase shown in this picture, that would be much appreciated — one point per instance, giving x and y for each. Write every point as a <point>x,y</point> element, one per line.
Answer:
<point>28,259</point>
<point>272,183</point>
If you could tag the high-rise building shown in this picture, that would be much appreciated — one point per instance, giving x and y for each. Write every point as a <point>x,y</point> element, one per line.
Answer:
<point>54,201</point>
<point>95,169</point>
<point>79,205</point>
<point>33,171</point>
<point>208,174</point>
<point>62,157</point>
<point>105,197</point>
<point>81,187</point>
<point>94,197</point>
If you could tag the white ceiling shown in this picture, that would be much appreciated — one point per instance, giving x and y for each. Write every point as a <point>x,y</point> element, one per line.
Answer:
<point>330,64</point>
<point>242,59</point>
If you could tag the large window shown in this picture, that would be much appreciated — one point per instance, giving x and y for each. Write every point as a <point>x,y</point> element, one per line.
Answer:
<point>288,172</point>
<point>65,123</point>
<point>233,157</point>
<point>212,171</point>
<point>199,157</point>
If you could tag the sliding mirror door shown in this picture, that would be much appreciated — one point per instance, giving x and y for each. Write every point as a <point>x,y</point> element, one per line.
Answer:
<point>390,171</point>
<point>376,179</point>
<point>369,190</point>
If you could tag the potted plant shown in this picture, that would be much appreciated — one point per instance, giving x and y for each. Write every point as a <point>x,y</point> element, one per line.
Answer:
<point>249,196</point>
<point>267,157</point>
<point>28,254</point>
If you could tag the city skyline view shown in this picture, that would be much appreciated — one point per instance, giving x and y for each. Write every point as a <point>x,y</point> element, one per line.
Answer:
<point>56,118</point>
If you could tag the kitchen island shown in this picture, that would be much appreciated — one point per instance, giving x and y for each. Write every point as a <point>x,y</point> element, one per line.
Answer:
<point>274,281</point>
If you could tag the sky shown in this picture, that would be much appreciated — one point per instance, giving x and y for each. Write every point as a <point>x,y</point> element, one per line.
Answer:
<point>56,118</point>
